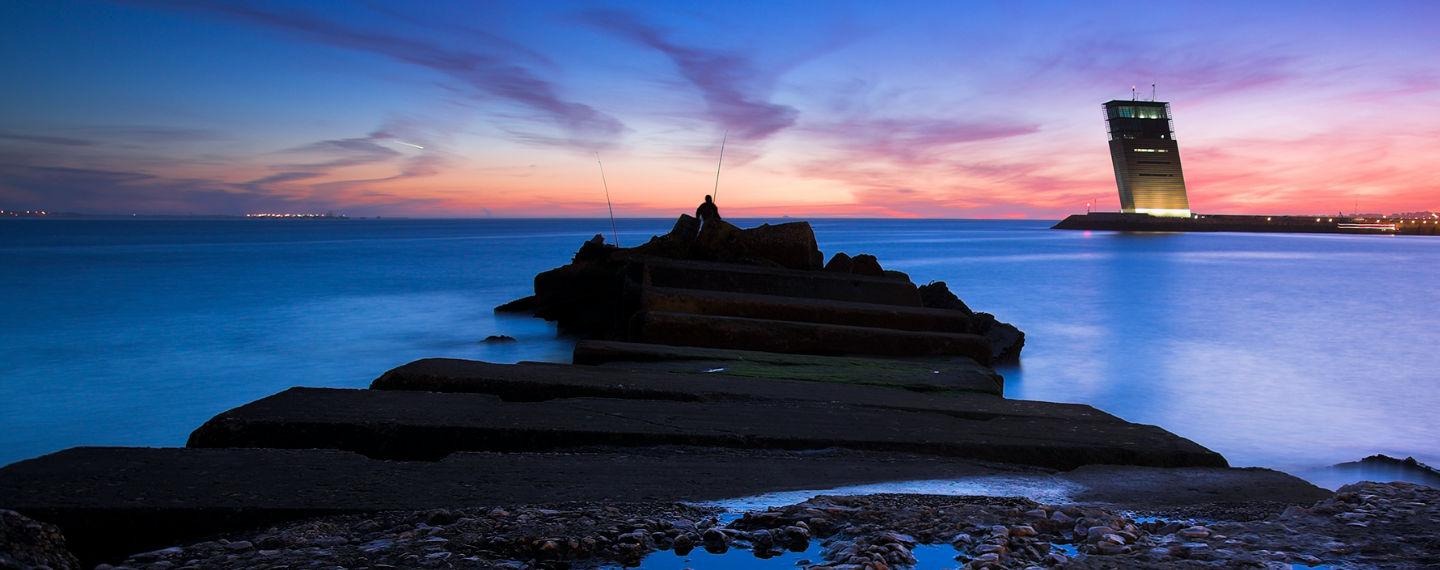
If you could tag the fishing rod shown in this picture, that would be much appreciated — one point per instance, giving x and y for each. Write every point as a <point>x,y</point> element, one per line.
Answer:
<point>613,231</point>
<point>715,194</point>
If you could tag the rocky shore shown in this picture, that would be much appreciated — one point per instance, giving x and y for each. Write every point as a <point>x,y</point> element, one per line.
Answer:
<point>1365,525</point>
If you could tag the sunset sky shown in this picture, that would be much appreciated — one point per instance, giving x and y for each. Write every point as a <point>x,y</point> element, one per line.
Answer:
<point>944,109</point>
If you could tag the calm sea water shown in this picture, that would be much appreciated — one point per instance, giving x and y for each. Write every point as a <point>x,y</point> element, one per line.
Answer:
<point>1284,351</point>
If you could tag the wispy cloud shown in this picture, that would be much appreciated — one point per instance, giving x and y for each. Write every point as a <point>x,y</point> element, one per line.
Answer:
<point>728,81</point>
<point>115,191</point>
<point>43,139</point>
<point>484,74</point>
<point>910,141</point>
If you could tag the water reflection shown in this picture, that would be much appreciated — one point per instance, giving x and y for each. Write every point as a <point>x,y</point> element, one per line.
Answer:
<point>1286,351</point>
<point>1293,352</point>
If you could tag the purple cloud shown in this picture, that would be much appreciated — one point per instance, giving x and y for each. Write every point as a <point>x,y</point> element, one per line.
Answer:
<point>910,142</point>
<point>42,139</point>
<point>722,78</point>
<point>110,191</point>
<point>484,74</point>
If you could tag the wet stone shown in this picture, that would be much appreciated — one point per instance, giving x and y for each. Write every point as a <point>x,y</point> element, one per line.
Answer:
<point>875,531</point>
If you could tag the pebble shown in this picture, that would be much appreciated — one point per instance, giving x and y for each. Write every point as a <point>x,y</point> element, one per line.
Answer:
<point>876,532</point>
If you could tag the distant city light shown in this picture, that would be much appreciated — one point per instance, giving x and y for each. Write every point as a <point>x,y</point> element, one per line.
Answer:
<point>325,215</point>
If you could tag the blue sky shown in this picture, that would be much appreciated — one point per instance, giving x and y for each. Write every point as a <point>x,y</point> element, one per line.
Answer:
<point>832,109</point>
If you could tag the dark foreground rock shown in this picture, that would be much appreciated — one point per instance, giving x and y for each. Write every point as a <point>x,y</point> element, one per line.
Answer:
<point>853,532</point>
<point>1365,525</point>
<point>27,544</point>
<point>114,501</point>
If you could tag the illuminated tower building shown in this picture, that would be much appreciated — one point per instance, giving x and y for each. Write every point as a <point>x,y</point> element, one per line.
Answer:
<point>1146,158</point>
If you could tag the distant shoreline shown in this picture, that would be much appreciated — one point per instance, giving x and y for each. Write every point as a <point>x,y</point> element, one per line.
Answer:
<point>1124,222</point>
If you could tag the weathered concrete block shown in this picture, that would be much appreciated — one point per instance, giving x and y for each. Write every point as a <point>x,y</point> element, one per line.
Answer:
<point>798,309</point>
<point>791,245</point>
<point>428,426</point>
<point>678,329</point>
<point>804,378</point>
<point>653,272</point>
<point>944,374</point>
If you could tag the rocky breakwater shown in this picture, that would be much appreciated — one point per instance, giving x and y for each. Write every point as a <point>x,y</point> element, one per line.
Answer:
<point>763,288</point>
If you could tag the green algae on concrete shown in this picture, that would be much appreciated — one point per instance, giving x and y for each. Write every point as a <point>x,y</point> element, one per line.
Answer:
<point>938,376</point>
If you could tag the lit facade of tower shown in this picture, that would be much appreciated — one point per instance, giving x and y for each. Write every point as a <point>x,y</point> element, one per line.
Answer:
<point>1146,158</point>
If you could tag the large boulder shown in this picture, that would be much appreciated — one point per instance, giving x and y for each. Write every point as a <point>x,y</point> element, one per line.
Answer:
<point>937,295</point>
<point>790,245</point>
<point>25,543</point>
<point>715,242</point>
<point>581,297</point>
<point>867,265</point>
<point>674,245</point>
<point>1005,339</point>
<point>840,263</point>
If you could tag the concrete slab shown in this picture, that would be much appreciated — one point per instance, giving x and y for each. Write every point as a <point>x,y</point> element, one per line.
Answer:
<point>678,329</point>
<point>726,304</point>
<point>810,379</point>
<point>428,426</point>
<point>736,278</point>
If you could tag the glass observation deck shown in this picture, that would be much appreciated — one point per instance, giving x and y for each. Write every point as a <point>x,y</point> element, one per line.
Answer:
<point>1142,120</point>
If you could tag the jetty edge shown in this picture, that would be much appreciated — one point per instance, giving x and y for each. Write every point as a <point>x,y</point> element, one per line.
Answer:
<point>1128,222</point>
<point>870,379</point>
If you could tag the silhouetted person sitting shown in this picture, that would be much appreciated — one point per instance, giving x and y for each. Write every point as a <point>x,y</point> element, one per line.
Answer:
<point>707,211</point>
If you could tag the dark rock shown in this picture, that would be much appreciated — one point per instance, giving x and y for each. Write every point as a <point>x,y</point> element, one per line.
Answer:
<point>594,250</point>
<point>499,339</point>
<point>715,242</point>
<point>521,305</point>
<point>867,265</point>
<point>187,492</point>
<point>936,295</point>
<point>1386,468</point>
<point>26,544</point>
<point>440,517</point>
<point>791,245</point>
<point>674,245</point>
<point>1006,340</point>
<point>580,297</point>
<point>841,263</point>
